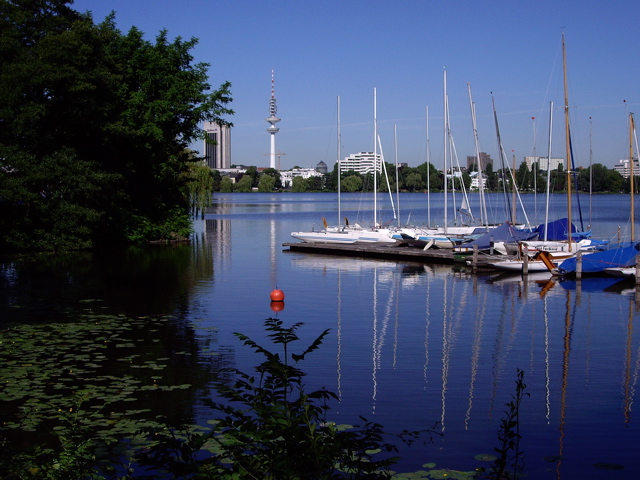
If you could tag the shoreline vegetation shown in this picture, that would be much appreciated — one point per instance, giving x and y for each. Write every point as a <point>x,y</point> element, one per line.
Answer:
<point>96,126</point>
<point>596,179</point>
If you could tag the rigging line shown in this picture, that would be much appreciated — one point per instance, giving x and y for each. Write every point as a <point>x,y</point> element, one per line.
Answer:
<point>508,205</point>
<point>575,180</point>
<point>552,75</point>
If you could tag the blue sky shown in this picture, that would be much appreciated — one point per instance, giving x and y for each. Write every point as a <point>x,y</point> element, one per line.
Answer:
<point>323,49</point>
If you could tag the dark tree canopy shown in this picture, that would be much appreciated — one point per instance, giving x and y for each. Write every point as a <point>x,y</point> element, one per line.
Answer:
<point>95,129</point>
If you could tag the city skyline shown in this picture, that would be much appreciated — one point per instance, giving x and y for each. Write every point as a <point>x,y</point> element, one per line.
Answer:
<point>509,52</point>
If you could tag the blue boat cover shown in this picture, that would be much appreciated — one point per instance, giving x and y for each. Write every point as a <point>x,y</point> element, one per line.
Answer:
<point>556,230</point>
<point>504,233</point>
<point>622,256</point>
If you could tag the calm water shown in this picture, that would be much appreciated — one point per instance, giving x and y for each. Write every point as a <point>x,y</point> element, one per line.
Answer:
<point>410,346</point>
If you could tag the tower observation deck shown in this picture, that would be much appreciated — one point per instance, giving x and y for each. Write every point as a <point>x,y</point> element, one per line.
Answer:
<point>272,120</point>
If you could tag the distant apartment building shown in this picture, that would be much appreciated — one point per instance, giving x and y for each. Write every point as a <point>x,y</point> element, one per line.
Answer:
<point>485,159</point>
<point>217,150</point>
<point>363,163</point>
<point>544,163</point>
<point>622,167</point>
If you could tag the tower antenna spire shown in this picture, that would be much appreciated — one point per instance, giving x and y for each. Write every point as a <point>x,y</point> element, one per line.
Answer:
<point>272,120</point>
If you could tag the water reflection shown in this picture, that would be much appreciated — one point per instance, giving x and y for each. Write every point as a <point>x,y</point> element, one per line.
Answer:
<point>410,344</point>
<point>108,331</point>
<point>451,344</point>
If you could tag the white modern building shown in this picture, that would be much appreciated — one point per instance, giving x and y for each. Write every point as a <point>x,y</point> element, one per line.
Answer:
<point>287,176</point>
<point>363,163</point>
<point>543,162</point>
<point>622,167</point>
<point>217,147</point>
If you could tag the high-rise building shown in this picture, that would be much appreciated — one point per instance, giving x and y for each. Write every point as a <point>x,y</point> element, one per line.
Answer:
<point>217,150</point>
<point>485,159</point>
<point>544,163</point>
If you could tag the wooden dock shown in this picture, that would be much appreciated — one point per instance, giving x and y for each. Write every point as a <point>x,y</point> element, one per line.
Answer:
<point>390,252</point>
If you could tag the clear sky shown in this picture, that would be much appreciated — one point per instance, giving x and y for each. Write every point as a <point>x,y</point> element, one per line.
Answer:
<point>323,49</point>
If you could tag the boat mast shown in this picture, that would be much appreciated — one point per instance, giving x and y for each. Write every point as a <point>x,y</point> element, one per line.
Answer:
<point>339,166</point>
<point>483,206</point>
<point>375,160</point>
<point>632,171</point>
<point>590,171</point>
<point>546,214</point>
<point>567,141</point>
<point>535,168</point>
<point>428,174</point>
<point>446,142</point>
<point>395,141</point>
<point>513,191</point>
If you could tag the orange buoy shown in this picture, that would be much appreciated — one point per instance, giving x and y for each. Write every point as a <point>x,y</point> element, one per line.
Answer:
<point>277,295</point>
<point>277,306</point>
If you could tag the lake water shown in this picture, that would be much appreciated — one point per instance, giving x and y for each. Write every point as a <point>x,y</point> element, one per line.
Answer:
<point>411,345</point>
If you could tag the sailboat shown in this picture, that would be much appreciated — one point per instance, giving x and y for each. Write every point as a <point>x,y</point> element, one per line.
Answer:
<point>446,237</point>
<point>348,233</point>
<point>620,261</point>
<point>539,261</point>
<point>559,249</point>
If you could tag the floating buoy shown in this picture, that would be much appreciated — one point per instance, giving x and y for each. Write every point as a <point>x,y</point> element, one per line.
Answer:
<point>277,306</point>
<point>277,295</point>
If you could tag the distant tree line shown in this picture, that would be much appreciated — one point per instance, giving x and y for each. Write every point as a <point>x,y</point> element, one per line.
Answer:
<point>598,179</point>
<point>94,129</point>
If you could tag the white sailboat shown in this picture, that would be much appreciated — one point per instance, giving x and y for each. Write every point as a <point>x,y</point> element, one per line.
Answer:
<point>527,261</point>
<point>560,250</point>
<point>629,272</point>
<point>445,237</point>
<point>347,233</point>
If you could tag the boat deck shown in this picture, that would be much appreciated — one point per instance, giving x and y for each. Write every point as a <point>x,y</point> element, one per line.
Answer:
<point>391,252</point>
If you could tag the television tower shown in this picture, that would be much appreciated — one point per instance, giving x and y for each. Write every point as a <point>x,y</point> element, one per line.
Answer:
<point>273,120</point>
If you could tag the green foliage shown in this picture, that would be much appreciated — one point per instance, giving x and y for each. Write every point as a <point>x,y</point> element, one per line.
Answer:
<point>414,182</point>
<point>352,183</point>
<point>265,425</point>
<point>176,227</point>
<point>273,173</point>
<point>71,458</point>
<point>52,207</point>
<point>252,172</point>
<point>245,184</point>
<point>95,127</point>
<point>299,184</point>
<point>268,427</point>
<point>266,184</point>
<point>315,184</point>
<point>200,187</point>
<point>226,185</point>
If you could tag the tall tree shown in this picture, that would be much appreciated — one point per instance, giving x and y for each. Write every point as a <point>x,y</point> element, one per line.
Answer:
<point>95,128</point>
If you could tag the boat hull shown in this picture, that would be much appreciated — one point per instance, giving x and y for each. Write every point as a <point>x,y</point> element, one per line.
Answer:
<point>518,266</point>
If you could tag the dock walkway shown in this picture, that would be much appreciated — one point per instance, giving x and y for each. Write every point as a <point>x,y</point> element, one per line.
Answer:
<point>390,252</point>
